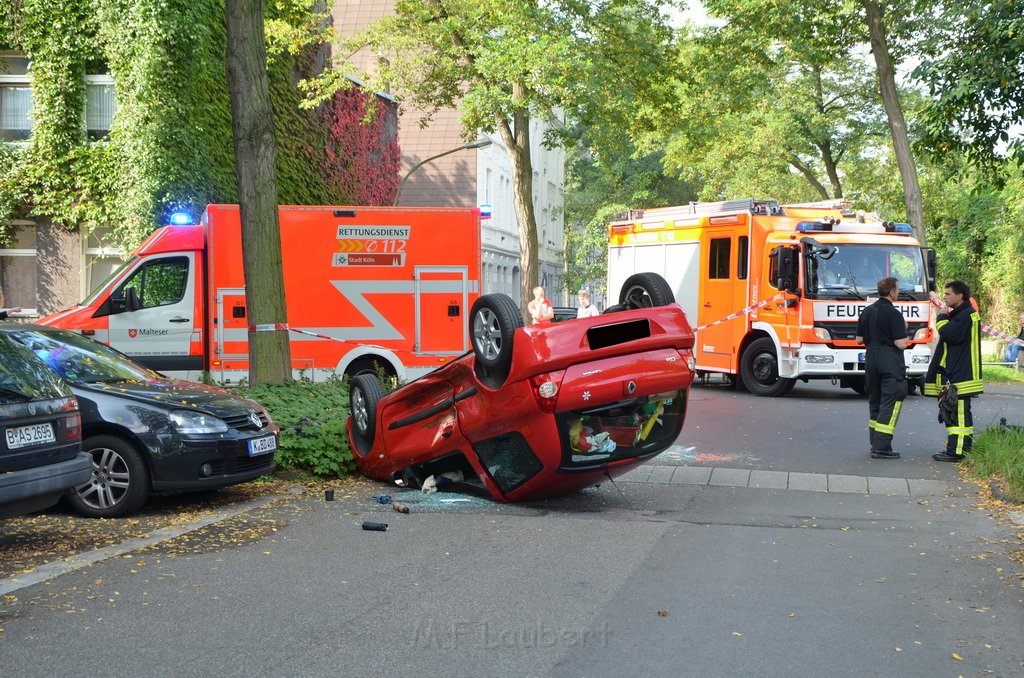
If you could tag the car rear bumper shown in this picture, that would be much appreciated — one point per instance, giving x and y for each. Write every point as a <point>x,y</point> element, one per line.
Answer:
<point>35,489</point>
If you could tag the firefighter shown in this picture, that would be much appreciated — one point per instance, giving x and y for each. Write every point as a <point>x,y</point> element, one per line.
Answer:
<point>955,370</point>
<point>883,329</point>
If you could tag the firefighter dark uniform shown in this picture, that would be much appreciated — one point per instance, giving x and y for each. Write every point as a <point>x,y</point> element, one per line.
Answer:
<point>880,325</point>
<point>957,361</point>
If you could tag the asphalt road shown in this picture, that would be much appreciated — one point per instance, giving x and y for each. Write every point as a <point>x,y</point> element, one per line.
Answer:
<point>632,578</point>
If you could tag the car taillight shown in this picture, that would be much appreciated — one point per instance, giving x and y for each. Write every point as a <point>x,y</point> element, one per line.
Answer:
<point>73,427</point>
<point>545,389</point>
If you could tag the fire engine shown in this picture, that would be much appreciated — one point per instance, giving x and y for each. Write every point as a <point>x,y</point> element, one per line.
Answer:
<point>776,290</point>
<point>366,288</point>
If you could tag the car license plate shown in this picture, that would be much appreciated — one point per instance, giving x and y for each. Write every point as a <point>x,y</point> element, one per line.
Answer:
<point>262,446</point>
<point>25,436</point>
<point>860,357</point>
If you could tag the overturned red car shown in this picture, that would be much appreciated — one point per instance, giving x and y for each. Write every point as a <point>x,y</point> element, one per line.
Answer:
<point>535,412</point>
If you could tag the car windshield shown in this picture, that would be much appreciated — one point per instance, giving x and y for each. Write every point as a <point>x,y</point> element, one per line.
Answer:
<point>23,377</point>
<point>853,271</point>
<point>80,360</point>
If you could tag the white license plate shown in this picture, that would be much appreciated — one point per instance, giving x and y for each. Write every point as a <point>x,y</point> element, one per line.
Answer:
<point>860,357</point>
<point>262,446</point>
<point>25,436</point>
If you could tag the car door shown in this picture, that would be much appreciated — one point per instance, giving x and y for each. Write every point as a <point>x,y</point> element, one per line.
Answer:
<point>157,316</point>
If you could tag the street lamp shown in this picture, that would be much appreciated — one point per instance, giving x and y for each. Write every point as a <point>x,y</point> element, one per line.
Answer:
<point>479,143</point>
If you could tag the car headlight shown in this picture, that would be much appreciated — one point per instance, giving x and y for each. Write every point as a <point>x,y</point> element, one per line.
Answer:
<point>197,422</point>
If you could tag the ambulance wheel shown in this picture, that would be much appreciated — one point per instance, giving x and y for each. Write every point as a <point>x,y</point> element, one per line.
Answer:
<point>644,290</point>
<point>493,321</point>
<point>759,368</point>
<point>363,396</point>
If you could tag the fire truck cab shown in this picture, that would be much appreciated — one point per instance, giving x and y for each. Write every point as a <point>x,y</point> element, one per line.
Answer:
<point>776,290</point>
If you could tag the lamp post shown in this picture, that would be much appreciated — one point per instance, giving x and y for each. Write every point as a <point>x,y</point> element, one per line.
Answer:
<point>479,143</point>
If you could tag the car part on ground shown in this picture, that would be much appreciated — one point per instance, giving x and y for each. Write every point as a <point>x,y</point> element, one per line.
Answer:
<point>40,434</point>
<point>535,411</point>
<point>147,434</point>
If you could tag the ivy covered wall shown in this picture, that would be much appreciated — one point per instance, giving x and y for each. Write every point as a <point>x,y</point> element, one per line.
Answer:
<point>170,146</point>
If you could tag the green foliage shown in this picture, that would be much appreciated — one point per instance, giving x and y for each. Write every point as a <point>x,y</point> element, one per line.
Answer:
<point>997,453</point>
<point>974,72</point>
<point>171,146</point>
<point>312,420</point>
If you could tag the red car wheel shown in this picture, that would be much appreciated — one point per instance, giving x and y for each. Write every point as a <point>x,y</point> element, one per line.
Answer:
<point>644,290</point>
<point>363,397</point>
<point>493,322</point>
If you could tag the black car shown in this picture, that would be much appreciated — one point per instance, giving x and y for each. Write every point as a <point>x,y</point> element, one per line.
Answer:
<point>40,434</point>
<point>147,433</point>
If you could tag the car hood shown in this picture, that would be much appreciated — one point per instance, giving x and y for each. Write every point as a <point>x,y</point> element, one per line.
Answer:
<point>177,393</point>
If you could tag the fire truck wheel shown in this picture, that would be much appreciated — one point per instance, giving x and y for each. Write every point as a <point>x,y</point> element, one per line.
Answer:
<point>493,321</point>
<point>859,386</point>
<point>364,394</point>
<point>759,369</point>
<point>615,308</point>
<point>644,290</point>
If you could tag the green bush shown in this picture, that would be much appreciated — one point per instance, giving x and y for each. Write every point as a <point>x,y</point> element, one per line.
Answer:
<point>312,420</point>
<point>998,453</point>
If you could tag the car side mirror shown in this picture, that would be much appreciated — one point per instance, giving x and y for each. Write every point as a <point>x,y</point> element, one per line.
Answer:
<point>931,263</point>
<point>785,271</point>
<point>132,300</point>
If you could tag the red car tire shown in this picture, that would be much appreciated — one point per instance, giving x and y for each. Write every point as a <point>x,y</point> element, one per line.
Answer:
<point>493,322</point>
<point>645,290</point>
<point>363,396</point>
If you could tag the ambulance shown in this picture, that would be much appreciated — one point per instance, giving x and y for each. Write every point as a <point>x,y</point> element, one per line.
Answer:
<point>776,290</point>
<point>366,288</point>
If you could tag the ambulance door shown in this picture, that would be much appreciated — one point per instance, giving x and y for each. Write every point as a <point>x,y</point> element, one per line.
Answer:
<point>441,296</point>
<point>152,314</point>
<point>724,274</point>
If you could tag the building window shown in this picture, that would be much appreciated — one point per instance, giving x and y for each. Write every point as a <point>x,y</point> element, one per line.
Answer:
<point>18,271</point>
<point>100,106</point>
<point>15,98</point>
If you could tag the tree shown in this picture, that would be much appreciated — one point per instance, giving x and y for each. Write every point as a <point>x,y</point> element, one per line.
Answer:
<point>505,62</point>
<point>252,124</point>
<point>822,30</point>
<point>875,18</point>
<point>974,72</point>
<point>760,117</point>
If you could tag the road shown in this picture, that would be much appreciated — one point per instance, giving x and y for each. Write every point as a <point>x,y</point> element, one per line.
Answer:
<point>683,568</point>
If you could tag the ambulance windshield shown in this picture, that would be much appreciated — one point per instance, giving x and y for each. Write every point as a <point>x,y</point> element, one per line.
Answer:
<point>91,299</point>
<point>853,271</point>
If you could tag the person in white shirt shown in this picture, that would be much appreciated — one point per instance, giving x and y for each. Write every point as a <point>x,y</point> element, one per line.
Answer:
<point>586,309</point>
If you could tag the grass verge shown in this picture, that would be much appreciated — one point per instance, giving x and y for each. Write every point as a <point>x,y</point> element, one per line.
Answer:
<point>998,454</point>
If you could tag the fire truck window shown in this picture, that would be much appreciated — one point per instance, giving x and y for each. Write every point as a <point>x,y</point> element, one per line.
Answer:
<point>718,264</point>
<point>160,283</point>
<point>741,264</point>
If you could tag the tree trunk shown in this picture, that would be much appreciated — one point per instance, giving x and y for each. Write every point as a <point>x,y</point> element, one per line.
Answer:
<point>809,176</point>
<point>517,141</point>
<point>252,123</point>
<point>894,113</point>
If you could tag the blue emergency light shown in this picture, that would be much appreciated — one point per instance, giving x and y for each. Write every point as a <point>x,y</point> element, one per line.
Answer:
<point>902,228</point>
<point>181,219</point>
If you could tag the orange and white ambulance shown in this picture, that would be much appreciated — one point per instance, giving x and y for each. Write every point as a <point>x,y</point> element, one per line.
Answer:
<point>364,287</point>
<point>776,290</point>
